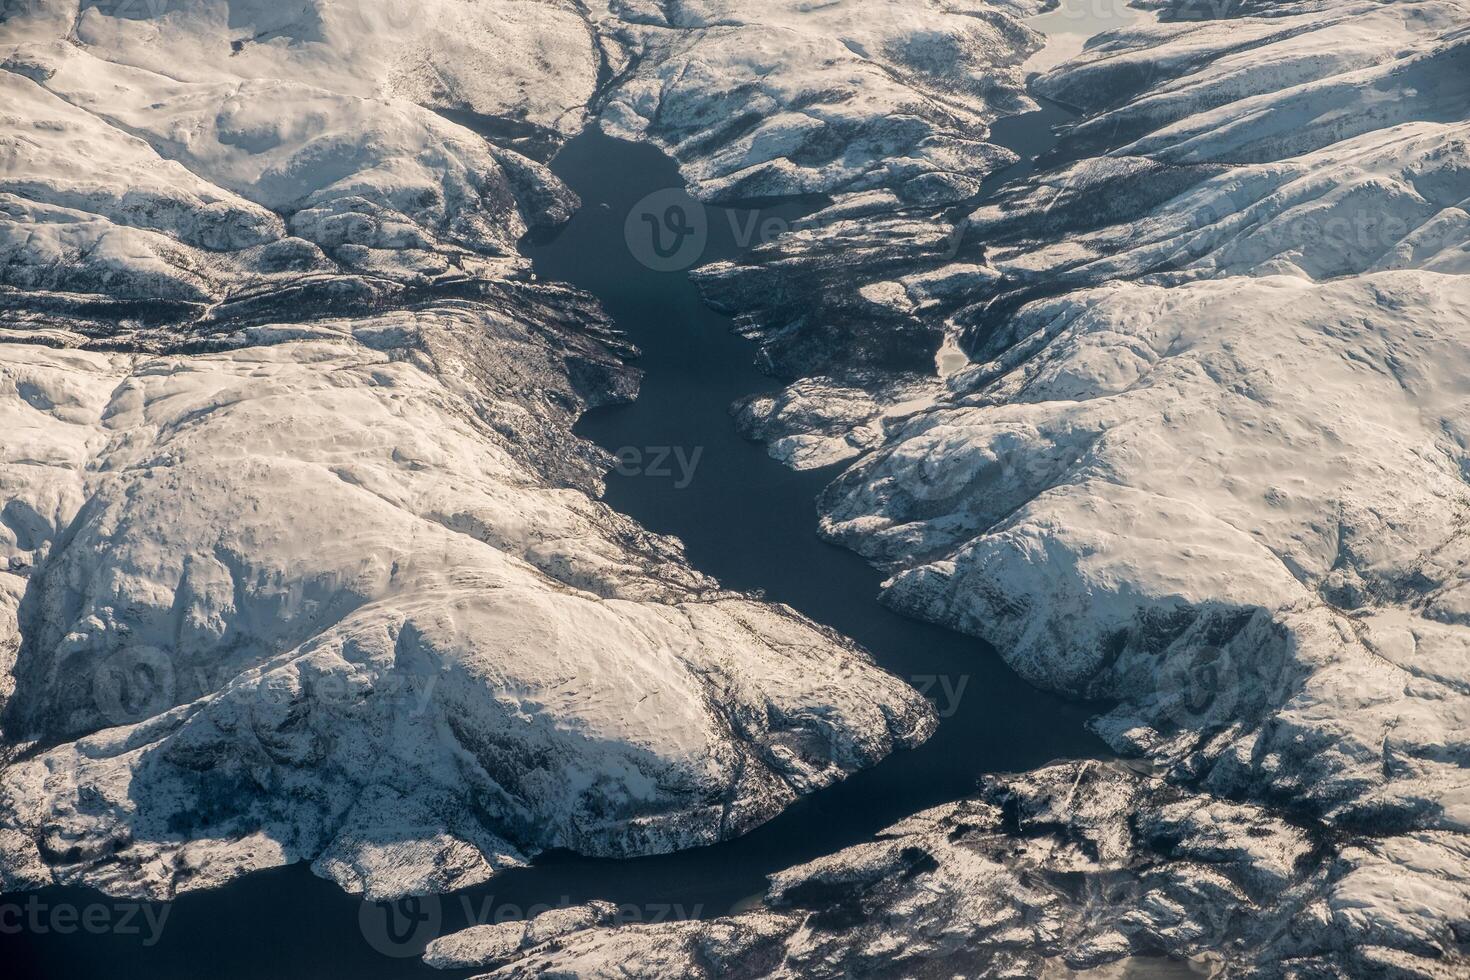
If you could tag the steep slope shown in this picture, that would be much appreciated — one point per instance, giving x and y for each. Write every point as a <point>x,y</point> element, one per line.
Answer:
<point>199,161</point>
<point>338,619</point>
<point>1200,447</point>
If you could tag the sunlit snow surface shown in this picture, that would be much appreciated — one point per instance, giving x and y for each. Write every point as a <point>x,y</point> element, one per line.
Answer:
<point>288,444</point>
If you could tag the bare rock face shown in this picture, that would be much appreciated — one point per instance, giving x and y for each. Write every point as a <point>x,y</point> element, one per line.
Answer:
<point>1065,869</point>
<point>301,559</point>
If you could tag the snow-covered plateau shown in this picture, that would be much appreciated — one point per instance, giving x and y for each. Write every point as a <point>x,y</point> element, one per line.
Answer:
<point>305,563</point>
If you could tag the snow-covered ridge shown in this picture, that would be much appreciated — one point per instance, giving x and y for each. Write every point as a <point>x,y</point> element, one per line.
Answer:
<point>1208,458</point>
<point>165,171</point>
<point>166,159</point>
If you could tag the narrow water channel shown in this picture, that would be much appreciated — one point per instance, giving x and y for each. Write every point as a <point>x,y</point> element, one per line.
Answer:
<point>745,519</point>
<point>752,522</point>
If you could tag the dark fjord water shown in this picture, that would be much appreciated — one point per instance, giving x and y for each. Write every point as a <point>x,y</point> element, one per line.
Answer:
<point>746,520</point>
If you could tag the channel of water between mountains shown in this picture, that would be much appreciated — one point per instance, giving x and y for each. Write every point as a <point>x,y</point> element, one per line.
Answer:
<point>745,519</point>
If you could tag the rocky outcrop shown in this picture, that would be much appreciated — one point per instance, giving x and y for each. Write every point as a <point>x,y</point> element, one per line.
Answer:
<point>1066,869</point>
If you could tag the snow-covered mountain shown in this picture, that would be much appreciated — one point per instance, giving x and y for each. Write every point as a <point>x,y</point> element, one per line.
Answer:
<point>1201,449</point>
<point>1215,409</point>
<point>303,561</point>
